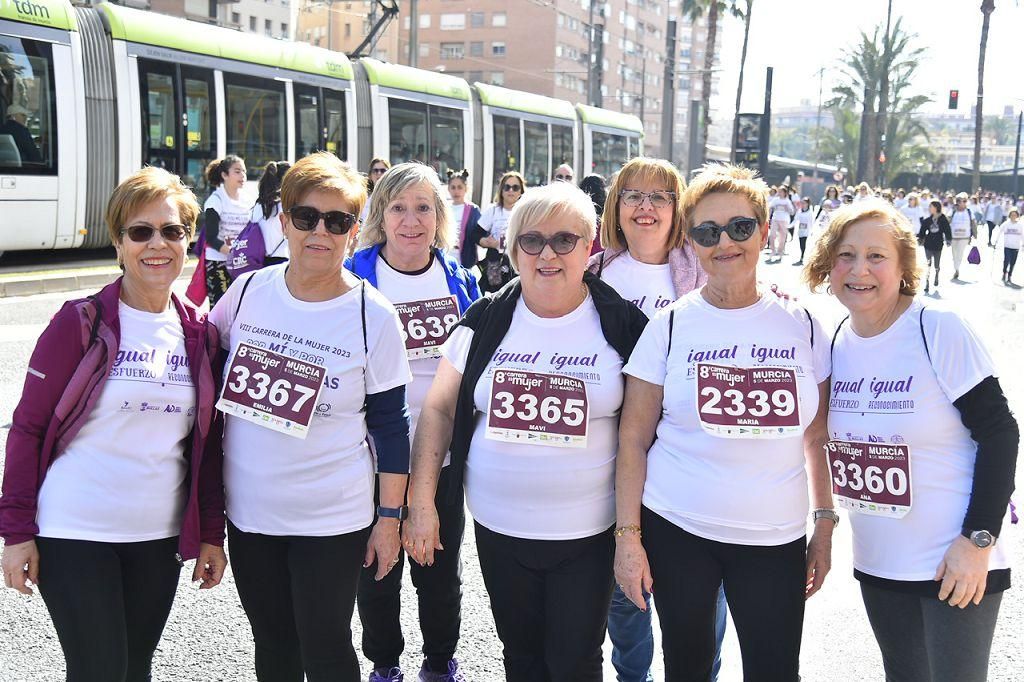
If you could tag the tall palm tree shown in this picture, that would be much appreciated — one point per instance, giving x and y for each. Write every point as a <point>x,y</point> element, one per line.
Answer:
<point>874,162</point>
<point>987,7</point>
<point>743,63</point>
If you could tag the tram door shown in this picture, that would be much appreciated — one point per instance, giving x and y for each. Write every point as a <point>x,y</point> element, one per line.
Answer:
<point>178,126</point>
<point>320,123</point>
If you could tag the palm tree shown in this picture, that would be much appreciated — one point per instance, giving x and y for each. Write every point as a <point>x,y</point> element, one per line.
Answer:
<point>987,7</point>
<point>1000,129</point>
<point>743,62</point>
<point>694,10</point>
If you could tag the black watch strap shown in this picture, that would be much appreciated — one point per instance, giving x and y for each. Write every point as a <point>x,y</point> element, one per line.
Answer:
<point>400,513</point>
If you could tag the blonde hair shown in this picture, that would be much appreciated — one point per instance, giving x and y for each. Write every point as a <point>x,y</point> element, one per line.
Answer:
<point>146,186</point>
<point>823,257</point>
<point>643,170</point>
<point>557,199</point>
<point>398,179</point>
<point>323,172</point>
<point>727,179</point>
<point>500,200</point>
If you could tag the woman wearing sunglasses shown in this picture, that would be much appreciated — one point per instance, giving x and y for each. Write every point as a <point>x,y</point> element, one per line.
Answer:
<point>402,254</point>
<point>315,363</point>
<point>495,268</point>
<point>733,381</point>
<point>107,486</point>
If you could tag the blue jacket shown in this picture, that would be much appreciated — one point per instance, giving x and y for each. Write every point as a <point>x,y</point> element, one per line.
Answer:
<point>461,283</point>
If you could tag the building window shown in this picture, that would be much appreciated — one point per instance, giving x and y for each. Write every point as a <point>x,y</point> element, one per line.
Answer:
<point>476,49</point>
<point>424,49</point>
<point>453,50</point>
<point>453,21</point>
<point>284,30</point>
<point>498,49</point>
<point>268,26</point>
<point>499,19</point>
<point>252,24</point>
<point>424,21</point>
<point>236,18</point>
<point>476,19</point>
<point>475,77</point>
<point>497,78</point>
<point>348,30</point>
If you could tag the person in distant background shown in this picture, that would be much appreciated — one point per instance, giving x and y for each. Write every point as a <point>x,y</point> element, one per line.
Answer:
<point>564,173</point>
<point>16,125</point>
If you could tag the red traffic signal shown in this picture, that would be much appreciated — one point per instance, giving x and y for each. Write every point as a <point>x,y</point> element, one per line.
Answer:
<point>954,98</point>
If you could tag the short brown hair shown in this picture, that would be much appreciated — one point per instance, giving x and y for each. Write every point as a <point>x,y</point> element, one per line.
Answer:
<point>642,170</point>
<point>323,172</point>
<point>726,179</point>
<point>146,186</point>
<point>823,257</point>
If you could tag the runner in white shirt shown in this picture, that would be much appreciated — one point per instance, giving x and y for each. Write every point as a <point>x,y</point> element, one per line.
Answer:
<point>734,383</point>
<point>315,364</point>
<point>780,211</point>
<point>802,224</point>
<point>465,220</point>
<point>402,254</point>
<point>528,395</point>
<point>922,452</point>
<point>495,268</point>
<point>964,229</point>
<point>225,214</point>
<point>267,213</point>
<point>1011,234</point>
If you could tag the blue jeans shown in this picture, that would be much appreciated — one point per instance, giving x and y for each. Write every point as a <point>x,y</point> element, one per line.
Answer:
<point>633,639</point>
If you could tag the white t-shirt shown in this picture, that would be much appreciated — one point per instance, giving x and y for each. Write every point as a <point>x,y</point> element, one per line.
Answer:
<point>398,287</point>
<point>544,492</point>
<point>122,478</point>
<point>780,209</point>
<point>457,215</point>
<point>270,228</point>
<point>802,222</point>
<point>494,219</point>
<point>735,490</point>
<point>914,215</point>
<point>234,216</point>
<point>280,485</point>
<point>1010,231</point>
<point>960,224</point>
<point>884,389</point>
<point>648,287</point>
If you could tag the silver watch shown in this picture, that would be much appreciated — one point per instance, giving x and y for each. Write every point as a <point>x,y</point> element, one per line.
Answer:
<point>829,514</point>
<point>982,538</point>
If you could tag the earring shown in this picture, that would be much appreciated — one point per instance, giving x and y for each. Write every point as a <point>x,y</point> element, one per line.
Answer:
<point>903,283</point>
<point>828,290</point>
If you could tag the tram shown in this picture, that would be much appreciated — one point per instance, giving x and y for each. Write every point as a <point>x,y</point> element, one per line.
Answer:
<point>88,95</point>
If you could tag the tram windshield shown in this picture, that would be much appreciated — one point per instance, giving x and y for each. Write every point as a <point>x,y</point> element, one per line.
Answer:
<point>610,152</point>
<point>28,124</point>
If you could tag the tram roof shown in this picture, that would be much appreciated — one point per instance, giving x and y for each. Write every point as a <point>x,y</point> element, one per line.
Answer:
<point>415,80</point>
<point>527,102</point>
<point>50,13</point>
<point>150,28</point>
<point>611,119</point>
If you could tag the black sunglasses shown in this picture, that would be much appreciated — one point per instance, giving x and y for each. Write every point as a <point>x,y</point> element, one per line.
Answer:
<point>708,234</point>
<point>512,188</point>
<point>560,176</point>
<point>306,218</point>
<point>143,233</point>
<point>533,243</point>
<point>378,171</point>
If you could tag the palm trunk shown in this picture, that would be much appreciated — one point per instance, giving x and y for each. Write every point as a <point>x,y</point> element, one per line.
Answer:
<point>743,62</point>
<point>883,103</point>
<point>867,118</point>
<point>987,7</point>
<point>709,63</point>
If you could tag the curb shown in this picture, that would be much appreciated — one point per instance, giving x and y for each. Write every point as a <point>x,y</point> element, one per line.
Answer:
<point>70,281</point>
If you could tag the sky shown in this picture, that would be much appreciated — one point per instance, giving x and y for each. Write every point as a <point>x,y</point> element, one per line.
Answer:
<point>798,37</point>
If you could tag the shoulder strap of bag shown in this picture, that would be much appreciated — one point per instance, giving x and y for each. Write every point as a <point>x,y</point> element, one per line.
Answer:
<point>810,320</point>
<point>924,337</point>
<point>362,313</point>
<point>671,325</point>
<point>241,294</point>
<point>600,265</point>
<point>836,335</point>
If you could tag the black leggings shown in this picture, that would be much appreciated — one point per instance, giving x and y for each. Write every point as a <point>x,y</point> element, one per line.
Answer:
<point>438,592</point>
<point>109,603</point>
<point>299,593</point>
<point>550,603</point>
<point>764,587</point>
<point>933,257</point>
<point>803,247</point>
<point>1009,260</point>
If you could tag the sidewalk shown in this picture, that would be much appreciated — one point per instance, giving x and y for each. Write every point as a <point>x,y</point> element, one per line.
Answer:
<point>30,280</point>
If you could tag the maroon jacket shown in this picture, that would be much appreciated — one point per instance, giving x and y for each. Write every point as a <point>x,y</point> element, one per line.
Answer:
<point>69,366</point>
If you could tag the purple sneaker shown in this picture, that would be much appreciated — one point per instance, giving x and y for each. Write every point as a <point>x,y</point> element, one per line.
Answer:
<point>453,674</point>
<point>386,675</point>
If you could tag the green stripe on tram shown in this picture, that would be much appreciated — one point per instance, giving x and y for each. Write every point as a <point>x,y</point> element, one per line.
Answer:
<point>611,119</point>
<point>50,13</point>
<point>527,102</point>
<point>415,80</point>
<point>139,26</point>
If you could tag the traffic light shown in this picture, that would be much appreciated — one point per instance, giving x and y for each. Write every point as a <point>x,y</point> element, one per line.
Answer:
<point>954,98</point>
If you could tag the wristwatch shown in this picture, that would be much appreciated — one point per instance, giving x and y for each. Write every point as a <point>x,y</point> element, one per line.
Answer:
<point>829,514</point>
<point>400,513</point>
<point>980,538</point>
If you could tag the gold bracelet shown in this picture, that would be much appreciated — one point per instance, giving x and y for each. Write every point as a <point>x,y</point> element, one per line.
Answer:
<point>631,528</point>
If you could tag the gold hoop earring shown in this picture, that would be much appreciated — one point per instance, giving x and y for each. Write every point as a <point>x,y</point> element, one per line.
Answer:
<point>903,284</point>
<point>828,290</point>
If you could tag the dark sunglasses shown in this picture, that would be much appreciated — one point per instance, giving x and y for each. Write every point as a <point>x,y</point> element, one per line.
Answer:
<point>559,176</point>
<point>143,233</point>
<point>306,218</point>
<point>512,188</point>
<point>378,171</point>
<point>561,243</point>
<point>708,234</point>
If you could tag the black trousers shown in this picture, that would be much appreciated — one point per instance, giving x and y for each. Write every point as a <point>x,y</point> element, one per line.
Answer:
<point>299,593</point>
<point>550,603</point>
<point>764,587</point>
<point>803,247</point>
<point>1009,260</point>
<point>109,603</point>
<point>438,593</point>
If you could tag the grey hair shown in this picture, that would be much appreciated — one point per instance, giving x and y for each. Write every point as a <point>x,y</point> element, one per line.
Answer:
<point>398,179</point>
<point>543,203</point>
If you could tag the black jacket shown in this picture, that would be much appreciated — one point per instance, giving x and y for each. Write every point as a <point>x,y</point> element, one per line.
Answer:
<point>490,318</point>
<point>934,232</point>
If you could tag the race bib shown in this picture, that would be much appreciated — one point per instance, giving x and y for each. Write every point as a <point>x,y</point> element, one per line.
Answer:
<point>543,409</point>
<point>271,390</point>
<point>871,478</point>
<point>741,402</point>
<point>426,324</point>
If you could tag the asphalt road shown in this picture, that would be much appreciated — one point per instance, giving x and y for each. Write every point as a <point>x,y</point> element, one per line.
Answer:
<point>208,638</point>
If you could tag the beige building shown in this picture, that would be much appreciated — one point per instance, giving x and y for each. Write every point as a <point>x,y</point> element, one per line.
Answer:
<point>341,25</point>
<point>272,18</point>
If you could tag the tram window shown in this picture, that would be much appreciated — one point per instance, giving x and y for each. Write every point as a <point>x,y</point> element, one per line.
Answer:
<point>536,157</point>
<point>255,123</point>
<point>308,124</point>
<point>446,139</point>
<point>28,123</point>
<point>610,152</point>
<point>561,146</point>
<point>199,143</point>
<point>408,131</point>
<point>161,122</point>
<point>334,120</point>
<point>506,145</point>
